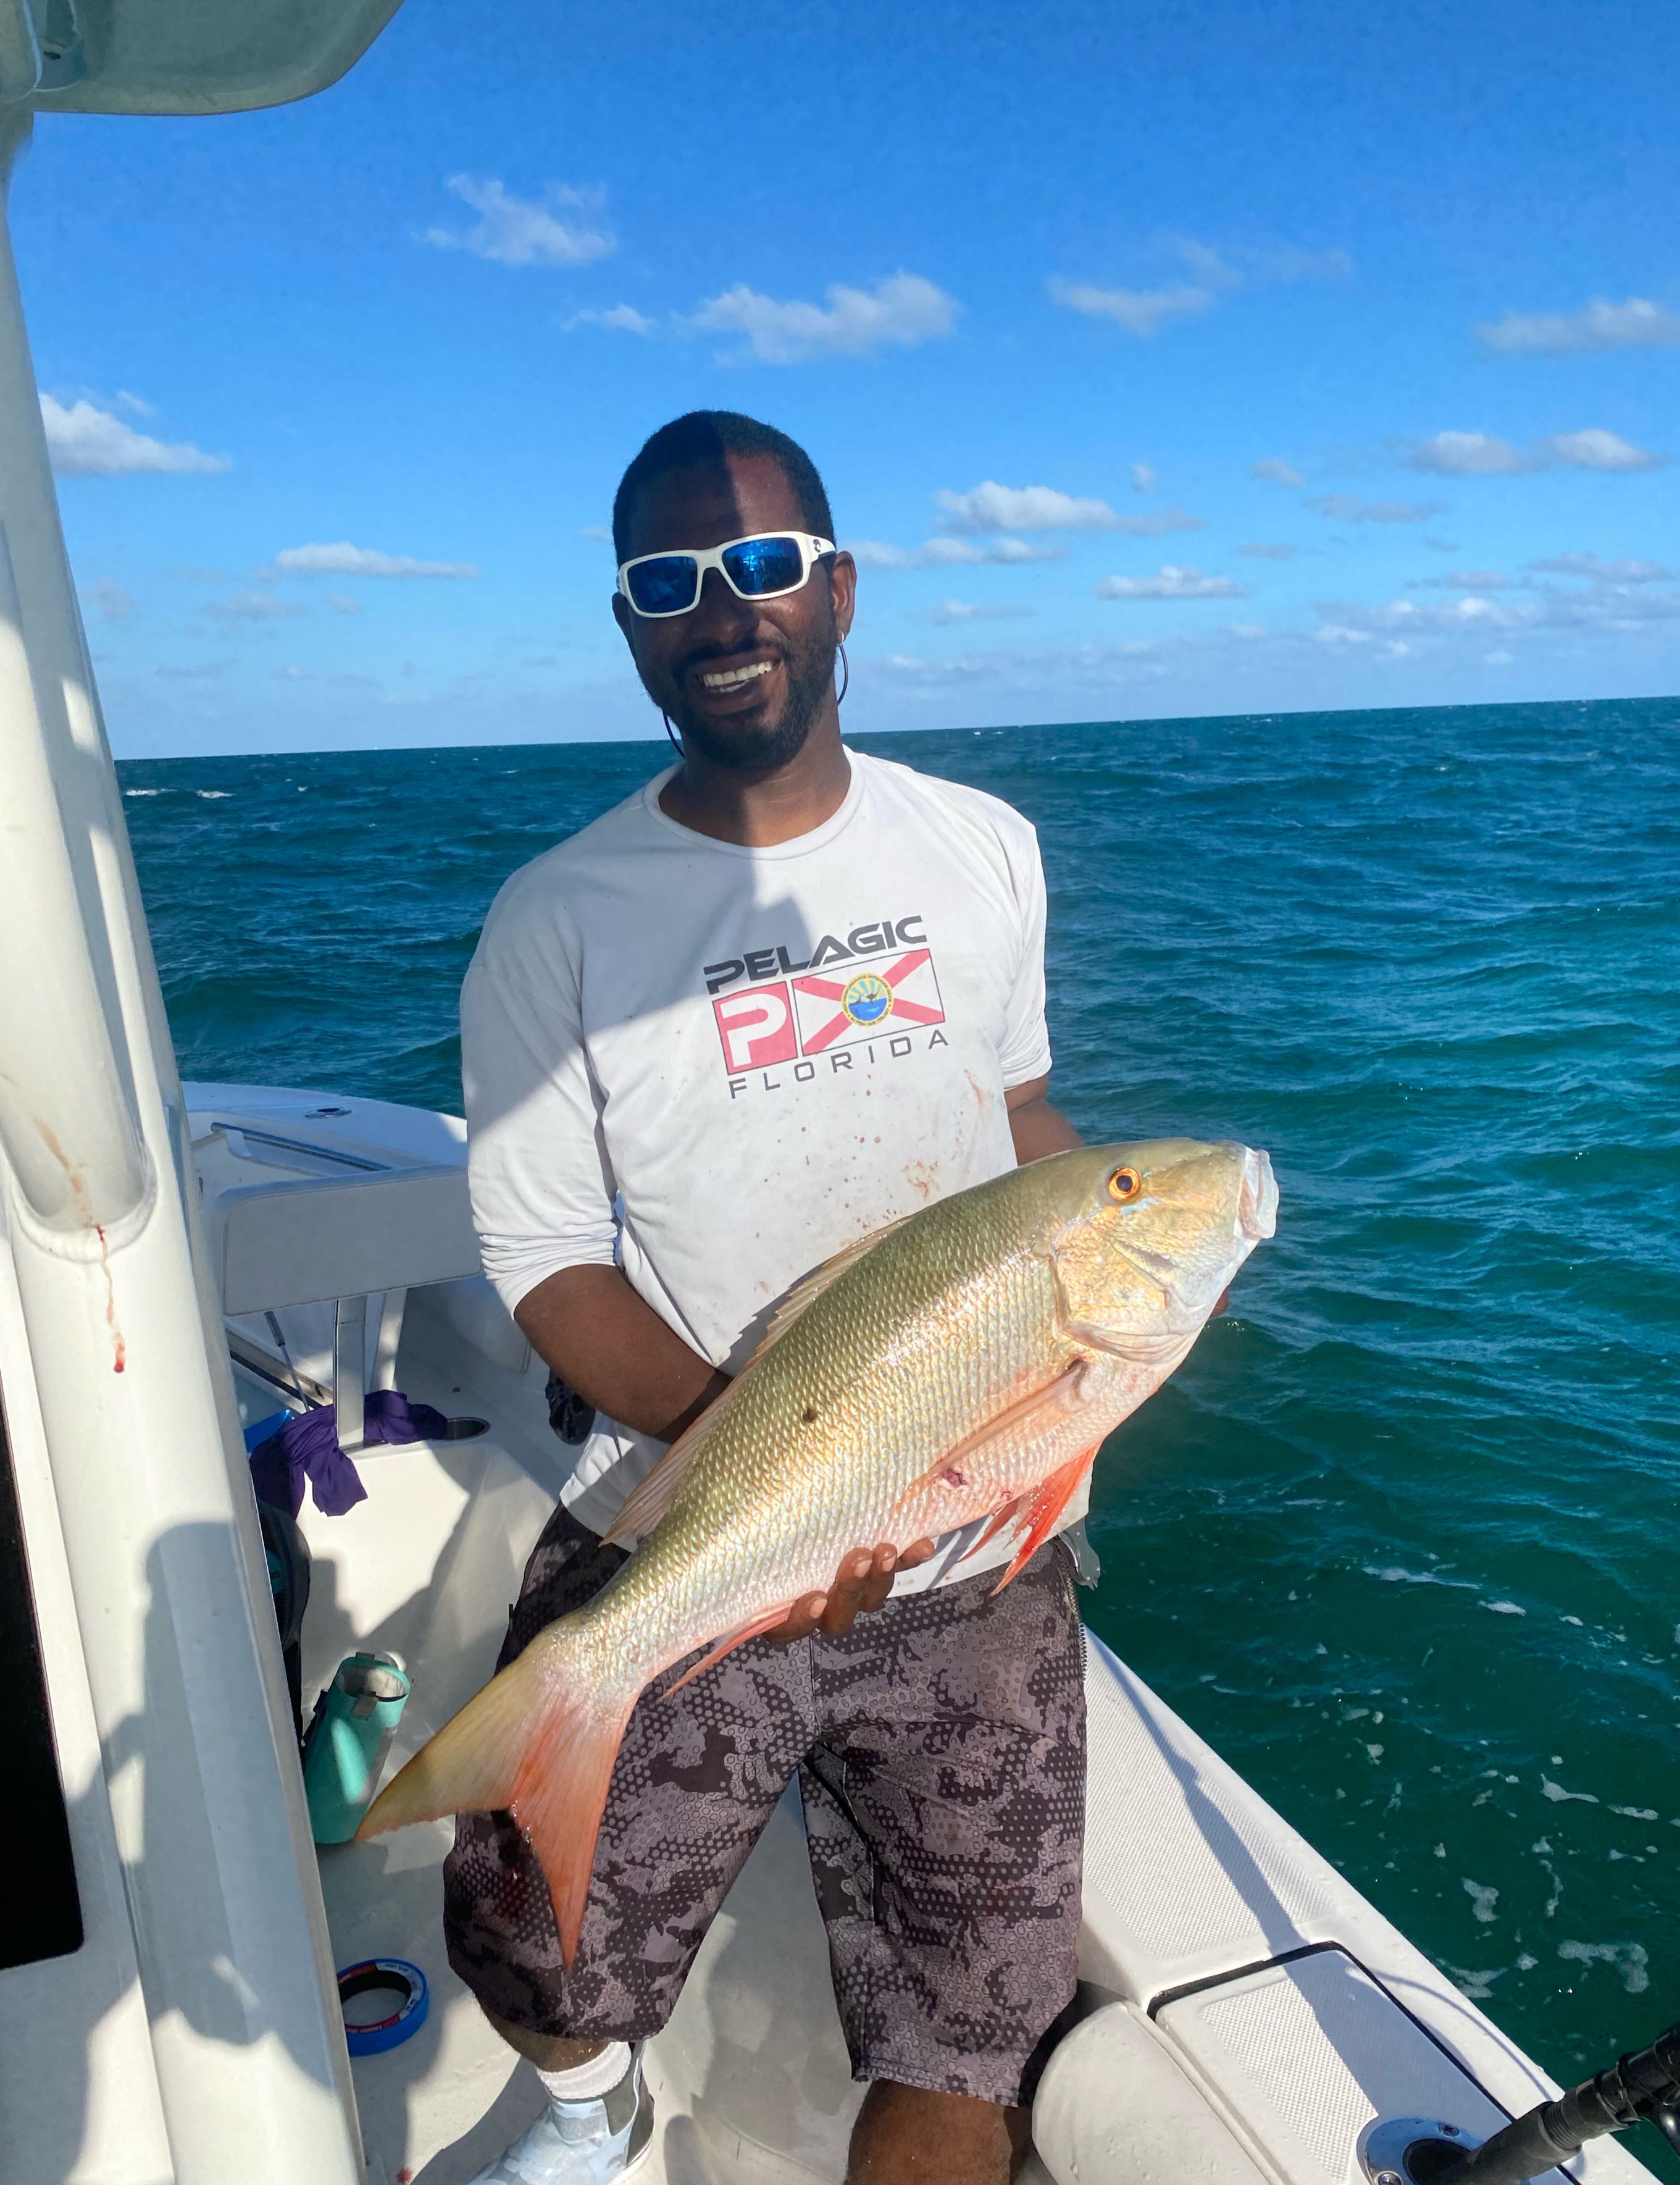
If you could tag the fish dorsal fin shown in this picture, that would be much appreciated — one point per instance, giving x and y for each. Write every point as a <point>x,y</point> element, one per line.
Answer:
<point>646,1505</point>
<point>805,1292</point>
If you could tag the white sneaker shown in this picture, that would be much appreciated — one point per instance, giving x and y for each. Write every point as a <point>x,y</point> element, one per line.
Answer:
<point>581,2143</point>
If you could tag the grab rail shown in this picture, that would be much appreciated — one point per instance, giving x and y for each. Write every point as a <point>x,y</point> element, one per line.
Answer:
<point>125,1345</point>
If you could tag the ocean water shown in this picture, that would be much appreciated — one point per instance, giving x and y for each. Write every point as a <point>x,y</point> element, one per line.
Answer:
<point>1401,1537</point>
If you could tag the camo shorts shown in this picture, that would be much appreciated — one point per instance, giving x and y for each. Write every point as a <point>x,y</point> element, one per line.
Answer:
<point>940,1748</point>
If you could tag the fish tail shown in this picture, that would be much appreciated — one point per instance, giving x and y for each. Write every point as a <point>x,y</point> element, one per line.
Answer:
<point>540,1741</point>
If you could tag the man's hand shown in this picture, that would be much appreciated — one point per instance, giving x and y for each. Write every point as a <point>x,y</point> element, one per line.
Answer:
<point>863,1582</point>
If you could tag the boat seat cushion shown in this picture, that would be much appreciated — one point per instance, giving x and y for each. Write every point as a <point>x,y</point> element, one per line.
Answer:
<point>298,1243</point>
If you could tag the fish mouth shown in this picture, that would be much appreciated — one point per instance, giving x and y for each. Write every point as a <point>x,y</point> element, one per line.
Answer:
<point>1257,1199</point>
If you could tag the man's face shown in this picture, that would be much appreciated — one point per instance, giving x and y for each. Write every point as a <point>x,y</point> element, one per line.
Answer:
<point>744,680</point>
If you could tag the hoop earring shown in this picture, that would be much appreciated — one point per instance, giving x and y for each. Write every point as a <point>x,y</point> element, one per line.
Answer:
<point>845,672</point>
<point>671,732</point>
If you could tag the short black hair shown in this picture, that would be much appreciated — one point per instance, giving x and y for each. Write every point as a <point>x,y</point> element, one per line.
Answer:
<point>704,436</point>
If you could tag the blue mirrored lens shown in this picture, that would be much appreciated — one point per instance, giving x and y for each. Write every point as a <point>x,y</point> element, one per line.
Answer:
<point>758,566</point>
<point>665,585</point>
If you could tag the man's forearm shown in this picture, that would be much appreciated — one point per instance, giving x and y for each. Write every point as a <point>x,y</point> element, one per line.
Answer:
<point>603,1340</point>
<point>1034,1126</point>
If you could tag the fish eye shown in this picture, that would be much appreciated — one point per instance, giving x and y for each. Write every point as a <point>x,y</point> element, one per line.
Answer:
<point>1123,1185</point>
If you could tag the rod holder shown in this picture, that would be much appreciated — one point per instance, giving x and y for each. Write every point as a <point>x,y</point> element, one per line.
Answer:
<point>1643,2086</point>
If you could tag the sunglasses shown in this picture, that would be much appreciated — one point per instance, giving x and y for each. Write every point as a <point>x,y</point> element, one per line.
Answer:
<point>764,567</point>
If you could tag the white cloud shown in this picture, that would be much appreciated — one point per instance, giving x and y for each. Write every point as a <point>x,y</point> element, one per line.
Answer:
<point>1604,572</point>
<point>1276,471</point>
<point>251,606</point>
<point>114,603</point>
<point>1145,478</point>
<point>1269,550</point>
<point>1159,522</point>
<point>342,559</point>
<point>620,319</point>
<point>1464,580</point>
<point>950,610</point>
<point>1595,450</point>
<point>993,507</point>
<point>1287,263</point>
<point>564,228</point>
<point>1348,508</point>
<point>946,553</point>
<point>1484,455</point>
<point>1170,582</point>
<point>341,603</point>
<point>1638,323</point>
<point>901,312</point>
<point>596,533</point>
<point>1607,609</point>
<point>1141,311</point>
<point>86,441</point>
<point>1212,273</point>
<point>1470,454</point>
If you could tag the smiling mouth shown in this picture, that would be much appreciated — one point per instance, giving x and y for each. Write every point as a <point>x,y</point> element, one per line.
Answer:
<point>722,680</point>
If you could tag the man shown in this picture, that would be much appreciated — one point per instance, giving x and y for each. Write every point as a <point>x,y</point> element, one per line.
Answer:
<point>780,997</point>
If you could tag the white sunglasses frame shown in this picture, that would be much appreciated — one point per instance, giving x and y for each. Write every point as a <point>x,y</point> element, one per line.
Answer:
<point>811,550</point>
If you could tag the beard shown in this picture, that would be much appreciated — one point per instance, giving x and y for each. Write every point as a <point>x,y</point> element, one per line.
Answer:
<point>761,746</point>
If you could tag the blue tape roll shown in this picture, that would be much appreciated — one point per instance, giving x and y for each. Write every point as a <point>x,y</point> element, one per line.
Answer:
<point>404,2022</point>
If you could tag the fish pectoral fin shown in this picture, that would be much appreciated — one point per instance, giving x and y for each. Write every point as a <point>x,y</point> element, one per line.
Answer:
<point>1043,1508</point>
<point>1039,1409</point>
<point>768,1622</point>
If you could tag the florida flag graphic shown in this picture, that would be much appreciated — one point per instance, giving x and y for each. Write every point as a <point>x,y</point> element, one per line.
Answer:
<point>857,1004</point>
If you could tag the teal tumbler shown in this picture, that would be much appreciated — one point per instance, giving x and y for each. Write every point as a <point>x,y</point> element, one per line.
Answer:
<point>346,1743</point>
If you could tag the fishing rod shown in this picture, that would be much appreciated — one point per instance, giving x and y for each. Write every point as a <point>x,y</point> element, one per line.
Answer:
<point>1642,2087</point>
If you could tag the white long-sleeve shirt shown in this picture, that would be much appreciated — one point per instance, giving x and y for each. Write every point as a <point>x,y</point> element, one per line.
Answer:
<point>716,1065</point>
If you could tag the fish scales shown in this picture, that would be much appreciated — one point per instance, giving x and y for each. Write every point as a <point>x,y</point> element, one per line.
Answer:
<point>957,1317</point>
<point>964,1362</point>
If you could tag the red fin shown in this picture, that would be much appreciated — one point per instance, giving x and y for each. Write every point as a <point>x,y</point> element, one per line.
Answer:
<point>765,1623</point>
<point>1049,1500</point>
<point>538,1739</point>
<point>1047,1400</point>
<point>1000,1518</point>
<point>558,1800</point>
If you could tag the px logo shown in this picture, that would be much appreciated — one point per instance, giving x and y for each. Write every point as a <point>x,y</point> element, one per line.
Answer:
<point>807,1016</point>
<point>757,1028</point>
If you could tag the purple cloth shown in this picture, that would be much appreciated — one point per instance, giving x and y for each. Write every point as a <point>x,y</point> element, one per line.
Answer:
<point>307,1447</point>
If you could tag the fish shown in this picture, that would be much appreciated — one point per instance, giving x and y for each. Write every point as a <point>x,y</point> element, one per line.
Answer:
<point>964,1363</point>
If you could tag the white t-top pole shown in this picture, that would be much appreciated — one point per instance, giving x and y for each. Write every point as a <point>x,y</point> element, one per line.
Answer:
<point>148,1468</point>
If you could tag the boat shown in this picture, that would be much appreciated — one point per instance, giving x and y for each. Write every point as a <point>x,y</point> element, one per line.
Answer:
<point>186,1267</point>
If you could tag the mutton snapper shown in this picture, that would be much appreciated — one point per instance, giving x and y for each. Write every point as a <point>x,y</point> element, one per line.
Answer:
<point>966,1361</point>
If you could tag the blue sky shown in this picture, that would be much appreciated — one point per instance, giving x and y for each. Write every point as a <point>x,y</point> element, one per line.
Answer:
<point>1159,360</point>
